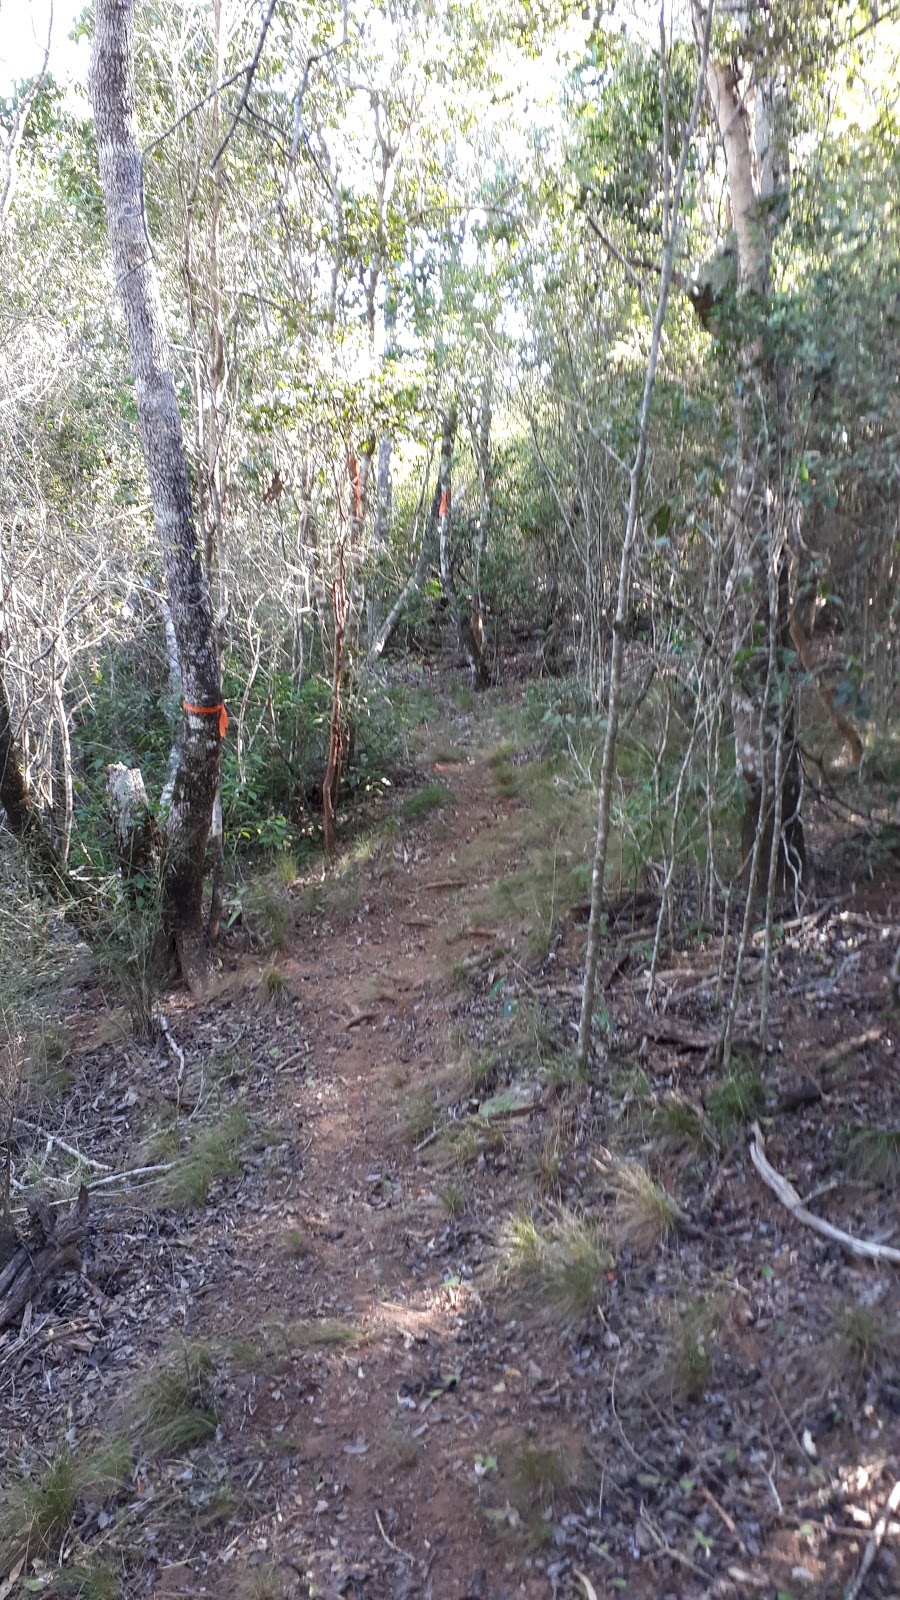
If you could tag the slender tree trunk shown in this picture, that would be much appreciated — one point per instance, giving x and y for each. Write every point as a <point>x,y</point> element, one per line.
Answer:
<point>462,621</point>
<point>428,554</point>
<point>481,444</point>
<point>671,219</point>
<point>764,718</point>
<point>24,821</point>
<point>188,822</point>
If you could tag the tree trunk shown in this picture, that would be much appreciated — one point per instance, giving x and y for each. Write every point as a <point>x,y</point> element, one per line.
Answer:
<point>469,641</point>
<point>671,221</point>
<point>188,822</point>
<point>24,820</point>
<point>415,583</point>
<point>481,445</point>
<point>762,701</point>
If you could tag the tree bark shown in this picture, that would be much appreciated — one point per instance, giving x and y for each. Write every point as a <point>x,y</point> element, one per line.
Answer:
<point>188,821</point>
<point>763,707</point>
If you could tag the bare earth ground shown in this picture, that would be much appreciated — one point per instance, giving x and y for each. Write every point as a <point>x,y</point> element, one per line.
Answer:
<point>412,1395</point>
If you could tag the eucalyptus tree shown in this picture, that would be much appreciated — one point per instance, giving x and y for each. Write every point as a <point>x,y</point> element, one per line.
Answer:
<point>189,815</point>
<point>750,107</point>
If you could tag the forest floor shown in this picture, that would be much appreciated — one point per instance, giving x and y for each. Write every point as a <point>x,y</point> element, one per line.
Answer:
<point>409,1308</point>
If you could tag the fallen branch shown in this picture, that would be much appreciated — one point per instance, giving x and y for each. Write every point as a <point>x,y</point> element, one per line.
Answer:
<point>876,1539</point>
<point>56,1243</point>
<point>54,1139</point>
<point>789,1198</point>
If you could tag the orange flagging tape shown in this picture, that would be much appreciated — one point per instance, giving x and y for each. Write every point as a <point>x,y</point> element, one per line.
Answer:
<point>443,510</point>
<point>211,711</point>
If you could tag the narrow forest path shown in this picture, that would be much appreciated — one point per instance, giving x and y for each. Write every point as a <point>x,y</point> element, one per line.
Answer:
<point>393,1320</point>
<point>391,1429</point>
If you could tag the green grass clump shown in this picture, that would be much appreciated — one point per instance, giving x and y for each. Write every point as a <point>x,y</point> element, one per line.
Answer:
<point>465,1140</point>
<point>94,1580</point>
<point>177,1405</point>
<point>735,1100</point>
<point>416,807</point>
<point>268,912</point>
<point>286,868</point>
<point>37,1511</point>
<point>38,1508</point>
<point>537,1476</point>
<point>205,1153</point>
<point>681,1126</point>
<point>559,1268</point>
<point>874,1156</point>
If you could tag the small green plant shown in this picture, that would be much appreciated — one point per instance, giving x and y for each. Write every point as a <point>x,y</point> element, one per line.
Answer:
<point>95,1579</point>
<point>286,868</point>
<point>735,1100</point>
<point>453,1198</point>
<point>862,1340</point>
<point>537,1476</point>
<point>481,1065</point>
<point>104,1472</point>
<point>416,807</point>
<point>267,1582</point>
<point>177,1405</point>
<point>507,780</point>
<point>37,1508</point>
<point>267,912</point>
<point>874,1156</point>
<point>463,1141</point>
<point>558,1268</point>
<point>421,1115</point>
<point>691,1358</point>
<point>274,983</point>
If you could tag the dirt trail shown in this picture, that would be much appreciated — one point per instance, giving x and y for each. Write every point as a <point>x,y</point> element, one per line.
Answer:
<point>666,1412</point>
<point>389,1434</point>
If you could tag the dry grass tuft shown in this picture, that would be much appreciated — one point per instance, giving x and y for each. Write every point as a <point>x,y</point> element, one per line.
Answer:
<point>558,1269</point>
<point>646,1216</point>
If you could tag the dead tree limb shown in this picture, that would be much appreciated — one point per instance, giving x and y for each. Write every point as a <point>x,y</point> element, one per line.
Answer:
<point>789,1198</point>
<point>55,1244</point>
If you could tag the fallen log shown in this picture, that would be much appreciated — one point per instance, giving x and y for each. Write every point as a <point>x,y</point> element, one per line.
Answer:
<point>56,1242</point>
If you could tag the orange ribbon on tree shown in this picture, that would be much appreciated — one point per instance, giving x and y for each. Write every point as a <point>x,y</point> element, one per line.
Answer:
<point>211,711</point>
<point>444,499</point>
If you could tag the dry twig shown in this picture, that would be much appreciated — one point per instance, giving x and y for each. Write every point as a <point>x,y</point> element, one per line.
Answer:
<point>876,1540</point>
